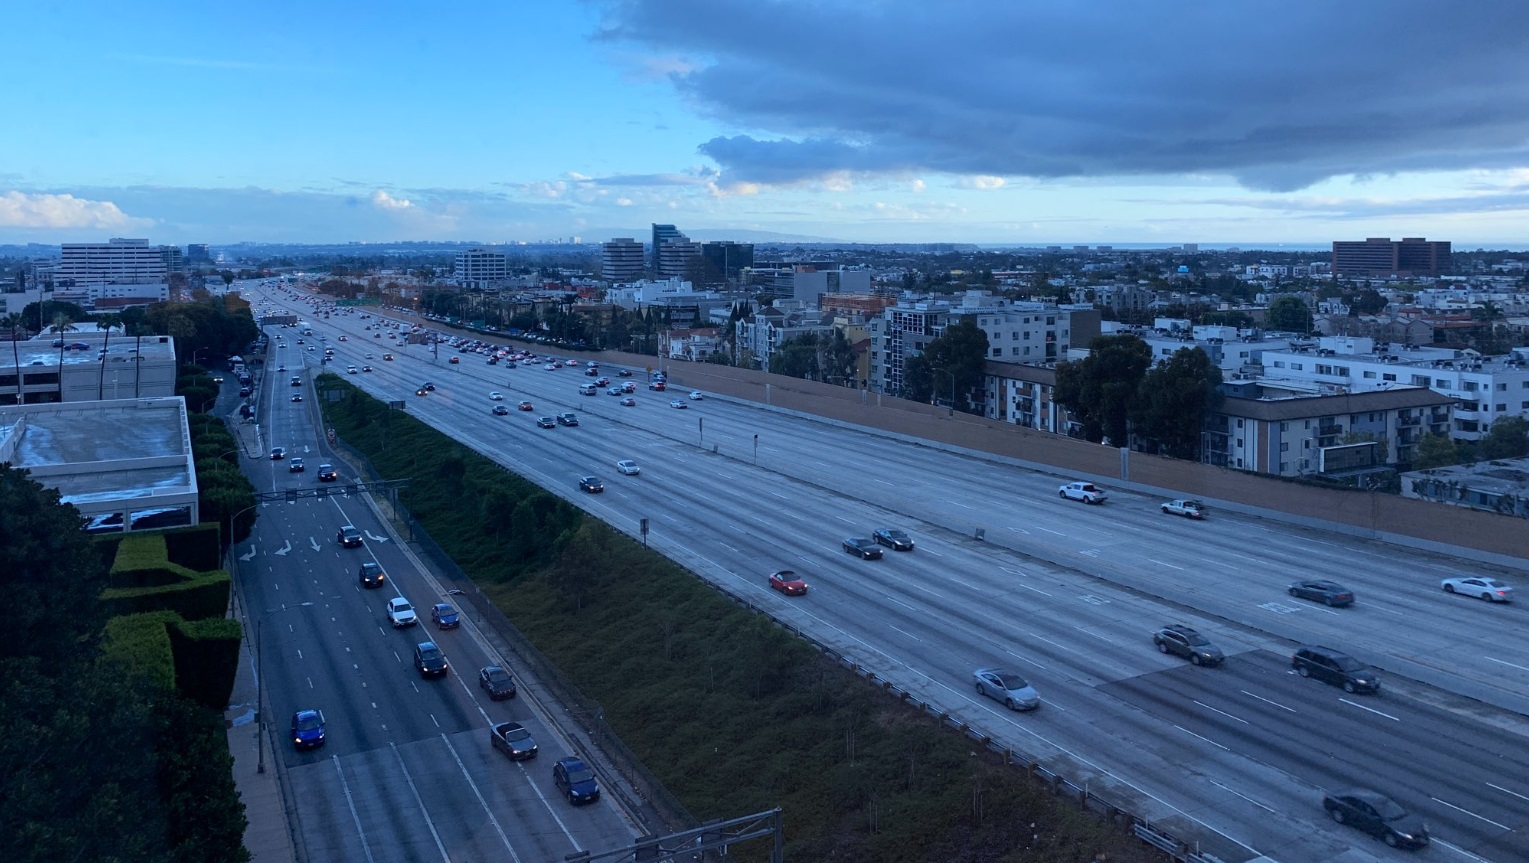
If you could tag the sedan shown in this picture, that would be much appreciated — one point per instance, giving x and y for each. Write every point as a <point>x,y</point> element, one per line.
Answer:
<point>1377,815</point>
<point>1328,592</point>
<point>429,660</point>
<point>513,740</point>
<point>496,682</point>
<point>678,404</point>
<point>444,616</point>
<point>327,473</point>
<point>546,422</point>
<point>629,402</point>
<point>295,466</point>
<point>696,395</point>
<point>627,467</point>
<point>500,411</point>
<point>893,539</point>
<point>307,729</point>
<point>278,453</point>
<point>788,582</point>
<point>591,484</point>
<point>1014,691</point>
<point>624,373</point>
<point>297,398</point>
<point>366,368</point>
<point>551,367</point>
<point>496,397</point>
<point>348,537</point>
<point>1489,589</point>
<point>525,406</point>
<point>862,547</point>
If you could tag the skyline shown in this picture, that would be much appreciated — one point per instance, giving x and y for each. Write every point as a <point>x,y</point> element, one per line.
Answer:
<point>1265,124</point>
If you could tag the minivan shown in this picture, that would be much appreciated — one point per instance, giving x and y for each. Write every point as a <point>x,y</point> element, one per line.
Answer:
<point>587,390</point>
<point>1338,669</point>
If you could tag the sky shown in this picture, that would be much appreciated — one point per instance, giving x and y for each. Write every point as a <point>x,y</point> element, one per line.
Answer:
<point>1259,122</point>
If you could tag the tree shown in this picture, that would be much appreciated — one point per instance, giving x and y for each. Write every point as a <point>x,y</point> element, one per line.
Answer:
<point>797,357</point>
<point>1099,389</point>
<point>1434,450</point>
<point>1288,314</point>
<point>1508,437</point>
<point>956,358</point>
<point>11,323</point>
<point>105,322</point>
<point>1174,399</point>
<point>61,324</point>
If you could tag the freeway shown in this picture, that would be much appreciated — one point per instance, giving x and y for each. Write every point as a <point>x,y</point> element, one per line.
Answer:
<point>1067,594</point>
<point>407,772</point>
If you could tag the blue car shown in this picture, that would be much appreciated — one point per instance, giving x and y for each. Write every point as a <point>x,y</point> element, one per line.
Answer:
<point>308,729</point>
<point>574,778</point>
<point>445,616</point>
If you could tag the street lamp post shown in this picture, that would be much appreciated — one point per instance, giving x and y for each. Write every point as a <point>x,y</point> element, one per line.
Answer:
<point>260,680</point>
<point>952,389</point>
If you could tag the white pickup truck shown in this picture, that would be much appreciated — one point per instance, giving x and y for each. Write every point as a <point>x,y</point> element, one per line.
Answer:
<point>1186,508</point>
<point>1084,491</point>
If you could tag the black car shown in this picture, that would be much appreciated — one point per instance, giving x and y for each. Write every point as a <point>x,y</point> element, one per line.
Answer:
<point>429,660</point>
<point>863,548</point>
<point>429,387</point>
<point>567,419</point>
<point>372,575</point>
<point>591,484</point>
<point>295,466</point>
<point>349,537</point>
<point>624,373</point>
<point>1182,641</point>
<point>1377,815</point>
<point>546,423</point>
<point>327,473</point>
<point>1329,592</point>
<point>496,682</point>
<point>278,453</point>
<point>893,539</point>
<point>500,411</point>
<point>1339,669</point>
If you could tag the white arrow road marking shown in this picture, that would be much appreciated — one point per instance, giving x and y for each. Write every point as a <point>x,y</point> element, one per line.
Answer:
<point>248,555</point>
<point>315,543</point>
<point>285,548</point>
<point>375,538</point>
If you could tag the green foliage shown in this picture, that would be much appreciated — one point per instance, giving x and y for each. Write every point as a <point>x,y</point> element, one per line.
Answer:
<point>138,645</point>
<point>201,806</point>
<point>1288,314</point>
<point>1174,399</point>
<point>1508,437</point>
<point>143,579</point>
<point>1101,388</point>
<point>206,658</point>
<point>955,359</point>
<point>1434,450</point>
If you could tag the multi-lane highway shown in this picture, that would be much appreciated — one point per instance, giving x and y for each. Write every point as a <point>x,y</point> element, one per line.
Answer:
<point>1236,757</point>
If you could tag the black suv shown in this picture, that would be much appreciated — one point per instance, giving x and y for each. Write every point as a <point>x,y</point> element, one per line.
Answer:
<point>349,537</point>
<point>429,660</point>
<point>372,575</point>
<point>1182,641</point>
<point>1339,669</point>
<point>567,419</point>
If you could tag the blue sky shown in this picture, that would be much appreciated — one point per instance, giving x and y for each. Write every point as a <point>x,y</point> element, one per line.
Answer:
<point>1169,121</point>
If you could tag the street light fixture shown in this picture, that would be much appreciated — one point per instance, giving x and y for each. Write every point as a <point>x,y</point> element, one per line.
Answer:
<point>952,389</point>
<point>260,679</point>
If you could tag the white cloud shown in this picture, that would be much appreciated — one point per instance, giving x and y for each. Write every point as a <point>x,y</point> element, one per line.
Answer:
<point>917,185</point>
<point>623,202</point>
<point>383,201</point>
<point>984,182</point>
<point>38,210</point>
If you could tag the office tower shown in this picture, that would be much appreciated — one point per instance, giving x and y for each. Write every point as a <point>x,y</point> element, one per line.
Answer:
<point>621,260</point>
<point>1383,257</point>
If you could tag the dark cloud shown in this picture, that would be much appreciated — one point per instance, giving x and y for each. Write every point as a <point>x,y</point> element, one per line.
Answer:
<point>1277,93</point>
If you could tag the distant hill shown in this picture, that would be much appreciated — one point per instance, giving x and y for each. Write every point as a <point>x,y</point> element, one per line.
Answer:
<point>741,235</point>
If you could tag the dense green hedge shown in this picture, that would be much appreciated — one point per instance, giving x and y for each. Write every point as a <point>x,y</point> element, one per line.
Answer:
<point>140,644</point>
<point>206,658</point>
<point>194,547</point>
<point>143,579</point>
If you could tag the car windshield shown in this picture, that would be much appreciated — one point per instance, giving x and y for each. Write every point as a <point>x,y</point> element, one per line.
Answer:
<point>308,723</point>
<point>1348,663</point>
<point>445,610</point>
<point>402,607</point>
<point>517,735</point>
<point>895,534</point>
<point>1196,638</point>
<point>580,774</point>
<point>499,675</point>
<point>1492,582</point>
<point>1010,680</point>
<point>430,654</point>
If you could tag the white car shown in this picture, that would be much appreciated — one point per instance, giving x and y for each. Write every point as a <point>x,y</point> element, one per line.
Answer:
<point>627,467</point>
<point>1084,491</point>
<point>401,613</point>
<point>696,396</point>
<point>678,404</point>
<point>551,367</point>
<point>496,397</point>
<point>1489,589</point>
<point>350,370</point>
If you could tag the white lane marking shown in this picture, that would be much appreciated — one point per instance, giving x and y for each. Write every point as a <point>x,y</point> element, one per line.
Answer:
<point>536,787</point>
<point>1049,530</point>
<point>960,582</point>
<point>1054,643</point>
<point>1024,658</point>
<point>1506,791</point>
<point>484,803</point>
<point>728,547</point>
<point>1222,712</point>
<point>1020,530</point>
<point>1206,739</point>
<point>846,520</point>
<point>903,604</point>
<point>1457,849</point>
<point>957,503</point>
<point>1371,709</point>
<point>429,822</point>
<point>1036,589</point>
<point>1245,557</point>
<point>1267,701</point>
<point>249,555</point>
<point>884,482</point>
<point>1161,563</point>
<point>1243,796</point>
<point>1014,571</point>
<point>1470,813</point>
<point>351,802</point>
<point>909,634</point>
<point>935,553</point>
<point>779,495</point>
<point>1095,634</point>
<point>1503,662</point>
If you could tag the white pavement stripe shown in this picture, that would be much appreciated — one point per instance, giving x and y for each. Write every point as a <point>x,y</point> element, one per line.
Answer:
<point>536,788</point>
<point>351,802</point>
<point>1470,813</point>
<point>1222,712</point>
<point>1506,791</point>
<point>1244,797</point>
<point>1206,739</point>
<point>1267,701</point>
<point>481,802</point>
<point>429,822</point>
<point>1371,709</point>
<point>1502,662</point>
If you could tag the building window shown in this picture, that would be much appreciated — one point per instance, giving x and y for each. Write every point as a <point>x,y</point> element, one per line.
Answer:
<point>1369,375</point>
<point>1284,466</point>
<point>1470,386</point>
<point>1502,386</point>
<point>1297,366</point>
<point>1388,377</point>
<point>1284,446</point>
<point>1239,446</point>
<point>1420,380</point>
<point>1306,444</point>
<point>1239,423</point>
<point>1501,408</point>
<point>997,352</point>
<point>1284,427</point>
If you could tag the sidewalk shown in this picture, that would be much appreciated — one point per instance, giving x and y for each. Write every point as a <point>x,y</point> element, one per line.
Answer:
<point>266,837</point>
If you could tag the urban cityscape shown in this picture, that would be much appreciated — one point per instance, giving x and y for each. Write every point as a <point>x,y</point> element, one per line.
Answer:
<point>657,434</point>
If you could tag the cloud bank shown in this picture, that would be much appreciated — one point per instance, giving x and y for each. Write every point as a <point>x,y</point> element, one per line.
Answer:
<point>1278,94</point>
<point>47,211</point>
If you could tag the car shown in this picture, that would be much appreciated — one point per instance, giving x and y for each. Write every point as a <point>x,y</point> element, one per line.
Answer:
<point>351,370</point>
<point>615,391</point>
<point>624,373</point>
<point>278,453</point>
<point>1008,687</point>
<point>509,364</point>
<point>372,574</point>
<point>551,367</point>
<point>297,398</point>
<point>546,422</point>
<point>327,473</point>
<point>677,403</point>
<point>308,729</point>
<point>444,616</point>
<point>1084,491</point>
<point>1181,640</point>
<point>421,391</point>
<point>400,613</point>
<point>574,778</point>
<point>592,364</point>
<point>592,373</point>
<point>1321,590</point>
<point>496,682</point>
<point>1489,589</point>
<point>629,387</point>
<point>525,406</point>
<point>454,360</point>
<point>428,386</point>
<point>500,411</point>
<point>629,402</point>
<point>1187,508</point>
<point>281,368</point>
<point>496,396</point>
<point>376,335</point>
<point>591,484</point>
<point>344,339</point>
<point>366,368</point>
<point>513,739</point>
<point>387,357</point>
<point>1377,815</point>
<point>572,363</point>
<point>348,537</point>
<point>567,419</point>
<point>660,386</point>
<point>295,465</point>
<point>430,661</point>
<point>695,395</point>
<point>862,547</point>
<point>1336,668</point>
<point>788,582</point>
<point>603,382</point>
<point>627,467</point>
<point>893,539</point>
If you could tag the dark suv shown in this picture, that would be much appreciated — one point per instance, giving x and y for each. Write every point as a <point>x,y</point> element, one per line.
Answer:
<point>429,660</point>
<point>372,575</point>
<point>1339,669</point>
<point>1182,641</point>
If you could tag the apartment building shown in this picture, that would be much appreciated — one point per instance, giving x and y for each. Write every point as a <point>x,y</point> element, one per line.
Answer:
<point>116,262</point>
<point>1382,257</point>
<point>621,260</point>
<point>763,332</point>
<point>1024,394</point>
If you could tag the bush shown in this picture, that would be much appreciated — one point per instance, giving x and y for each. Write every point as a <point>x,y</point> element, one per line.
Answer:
<point>206,658</point>
<point>139,645</point>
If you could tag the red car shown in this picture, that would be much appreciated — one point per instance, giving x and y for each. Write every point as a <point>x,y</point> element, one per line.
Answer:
<point>525,406</point>
<point>788,582</point>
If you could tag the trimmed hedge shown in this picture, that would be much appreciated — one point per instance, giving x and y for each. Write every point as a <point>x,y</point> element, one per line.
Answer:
<point>143,579</point>
<point>140,645</point>
<point>194,547</point>
<point>206,658</point>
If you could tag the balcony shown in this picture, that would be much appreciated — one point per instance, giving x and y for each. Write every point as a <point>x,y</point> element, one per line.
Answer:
<point>1404,420</point>
<point>1329,430</point>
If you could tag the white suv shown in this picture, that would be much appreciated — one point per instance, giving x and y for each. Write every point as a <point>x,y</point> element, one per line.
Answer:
<point>401,613</point>
<point>1084,491</point>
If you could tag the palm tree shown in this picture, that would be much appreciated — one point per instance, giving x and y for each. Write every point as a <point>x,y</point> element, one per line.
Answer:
<point>61,324</point>
<point>11,323</point>
<point>105,322</point>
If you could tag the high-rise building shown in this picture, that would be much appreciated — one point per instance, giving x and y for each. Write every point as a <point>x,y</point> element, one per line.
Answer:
<point>1382,257</point>
<point>175,260</point>
<point>118,262</point>
<point>198,253</point>
<point>728,258</point>
<point>480,268</point>
<point>674,255</point>
<point>621,260</point>
<point>662,233</point>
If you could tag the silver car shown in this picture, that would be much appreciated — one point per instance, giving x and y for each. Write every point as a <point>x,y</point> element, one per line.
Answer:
<point>1489,589</point>
<point>1014,691</point>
